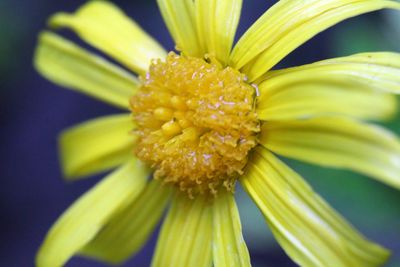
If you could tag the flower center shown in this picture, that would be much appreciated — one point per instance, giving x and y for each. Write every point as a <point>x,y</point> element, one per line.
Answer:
<point>196,123</point>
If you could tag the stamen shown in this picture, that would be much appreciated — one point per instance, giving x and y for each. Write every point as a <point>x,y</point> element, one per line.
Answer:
<point>171,128</point>
<point>163,114</point>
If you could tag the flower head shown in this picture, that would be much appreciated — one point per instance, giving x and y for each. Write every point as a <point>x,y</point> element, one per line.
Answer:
<point>206,116</point>
<point>196,123</point>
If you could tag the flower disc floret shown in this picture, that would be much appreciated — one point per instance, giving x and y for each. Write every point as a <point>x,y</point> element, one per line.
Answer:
<point>196,123</point>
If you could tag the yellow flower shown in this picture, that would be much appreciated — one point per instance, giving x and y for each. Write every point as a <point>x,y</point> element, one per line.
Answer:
<point>210,116</point>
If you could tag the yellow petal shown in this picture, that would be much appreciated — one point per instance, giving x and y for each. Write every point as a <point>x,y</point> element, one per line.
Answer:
<point>339,143</point>
<point>310,231</point>
<point>186,235</point>
<point>288,24</point>
<point>358,84</point>
<point>378,70</point>
<point>179,16</point>
<point>229,248</point>
<point>82,221</point>
<point>70,66</point>
<point>106,27</point>
<point>96,145</point>
<point>126,233</point>
<point>323,98</point>
<point>217,23</point>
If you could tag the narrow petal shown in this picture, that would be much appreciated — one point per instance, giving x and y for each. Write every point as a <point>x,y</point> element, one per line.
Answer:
<point>229,248</point>
<point>377,70</point>
<point>179,16</point>
<point>126,233</point>
<point>337,142</point>
<point>96,145</point>
<point>83,220</point>
<point>217,23</point>
<point>68,65</point>
<point>310,231</point>
<point>288,24</point>
<point>359,85</point>
<point>106,27</point>
<point>186,235</point>
<point>305,100</point>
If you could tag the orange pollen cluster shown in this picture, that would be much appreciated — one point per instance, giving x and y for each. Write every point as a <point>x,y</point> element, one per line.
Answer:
<point>196,123</point>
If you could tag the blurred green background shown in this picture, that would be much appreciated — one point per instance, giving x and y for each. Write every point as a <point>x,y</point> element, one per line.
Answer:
<point>33,112</point>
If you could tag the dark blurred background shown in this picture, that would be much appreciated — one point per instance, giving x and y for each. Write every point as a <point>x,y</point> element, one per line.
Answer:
<point>33,112</point>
